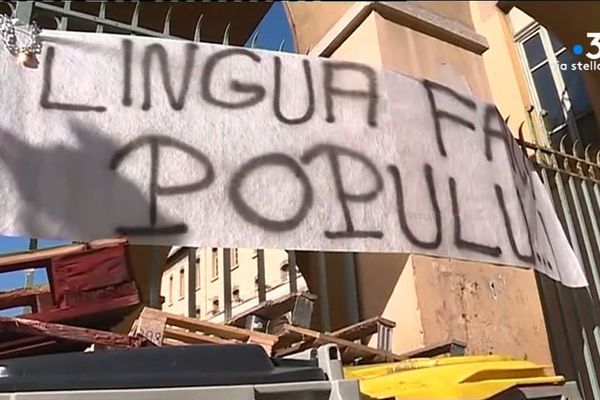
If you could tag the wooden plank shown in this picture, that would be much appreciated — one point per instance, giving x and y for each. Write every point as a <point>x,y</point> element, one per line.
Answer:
<point>27,259</point>
<point>90,270</point>
<point>65,332</point>
<point>436,349</point>
<point>287,338</point>
<point>190,337</point>
<point>21,297</point>
<point>363,329</point>
<point>99,307</point>
<point>354,349</point>
<point>151,327</point>
<point>210,328</point>
<point>173,342</point>
<point>79,299</point>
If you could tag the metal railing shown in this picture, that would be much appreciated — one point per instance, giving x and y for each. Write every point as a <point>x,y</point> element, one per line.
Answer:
<point>571,175</point>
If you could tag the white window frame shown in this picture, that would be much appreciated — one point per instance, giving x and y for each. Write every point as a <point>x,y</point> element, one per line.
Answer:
<point>235,258</point>
<point>551,58</point>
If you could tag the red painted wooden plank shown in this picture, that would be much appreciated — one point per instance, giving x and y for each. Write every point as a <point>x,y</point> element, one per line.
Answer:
<point>21,297</point>
<point>90,270</point>
<point>66,332</point>
<point>91,309</point>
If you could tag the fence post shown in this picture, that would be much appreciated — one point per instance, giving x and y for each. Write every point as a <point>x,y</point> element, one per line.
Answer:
<point>24,11</point>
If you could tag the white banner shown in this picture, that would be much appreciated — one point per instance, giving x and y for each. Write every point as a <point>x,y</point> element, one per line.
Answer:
<point>179,143</point>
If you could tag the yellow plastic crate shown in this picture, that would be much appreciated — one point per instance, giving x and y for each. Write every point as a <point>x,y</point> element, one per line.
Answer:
<point>468,377</point>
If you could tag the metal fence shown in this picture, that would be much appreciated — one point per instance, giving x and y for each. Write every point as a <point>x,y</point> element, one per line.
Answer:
<point>571,174</point>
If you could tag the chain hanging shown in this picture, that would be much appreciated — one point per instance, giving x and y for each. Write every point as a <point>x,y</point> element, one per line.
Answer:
<point>8,34</point>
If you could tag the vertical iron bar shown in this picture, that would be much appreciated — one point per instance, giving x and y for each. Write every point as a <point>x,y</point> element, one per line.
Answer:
<point>589,358</point>
<point>24,11</point>
<point>546,288</point>
<point>135,17</point>
<point>102,16</point>
<point>351,288</point>
<point>323,292</point>
<point>572,235</point>
<point>191,297</point>
<point>546,181</point>
<point>64,20</point>
<point>595,228</point>
<point>197,33</point>
<point>260,275</point>
<point>167,24</point>
<point>155,278</point>
<point>227,282</point>
<point>33,244</point>
<point>292,271</point>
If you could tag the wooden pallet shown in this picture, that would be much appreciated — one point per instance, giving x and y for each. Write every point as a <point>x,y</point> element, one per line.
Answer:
<point>85,280</point>
<point>163,328</point>
<point>293,339</point>
<point>296,339</point>
<point>36,337</point>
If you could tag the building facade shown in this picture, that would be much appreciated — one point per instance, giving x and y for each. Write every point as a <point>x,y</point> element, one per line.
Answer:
<point>208,281</point>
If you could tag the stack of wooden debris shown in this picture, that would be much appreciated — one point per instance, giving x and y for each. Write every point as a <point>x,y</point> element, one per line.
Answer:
<point>164,329</point>
<point>90,285</point>
<point>91,288</point>
<point>59,335</point>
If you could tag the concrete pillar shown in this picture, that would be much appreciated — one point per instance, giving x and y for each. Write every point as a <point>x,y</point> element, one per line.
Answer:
<point>435,40</point>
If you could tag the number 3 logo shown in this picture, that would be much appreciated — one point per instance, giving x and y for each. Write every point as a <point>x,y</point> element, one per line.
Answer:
<point>595,36</point>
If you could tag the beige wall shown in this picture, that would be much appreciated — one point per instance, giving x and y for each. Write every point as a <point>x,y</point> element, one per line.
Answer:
<point>420,55</point>
<point>359,46</point>
<point>503,66</point>
<point>307,29</point>
<point>434,299</point>
<point>386,288</point>
<point>495,309</point>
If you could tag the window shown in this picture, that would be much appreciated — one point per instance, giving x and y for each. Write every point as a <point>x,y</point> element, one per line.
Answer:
<point>198,274</point>
<point>560,93</point>
<point>215,263</point>
<point>170,289</point>
<point>234,258</point>
<point>181,283</point>
<point>215,306</point>
<point>235,295</point>
<point>284,273</point>
<point>267,286</point>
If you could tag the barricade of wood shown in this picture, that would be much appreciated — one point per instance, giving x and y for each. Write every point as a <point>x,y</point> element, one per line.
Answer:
<point>24,337</point>
<point>163,328</point>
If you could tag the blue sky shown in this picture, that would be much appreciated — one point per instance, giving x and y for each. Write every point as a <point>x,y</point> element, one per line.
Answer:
<point>11,244</point>
<point>16,279</point>
<point>273,30</point>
